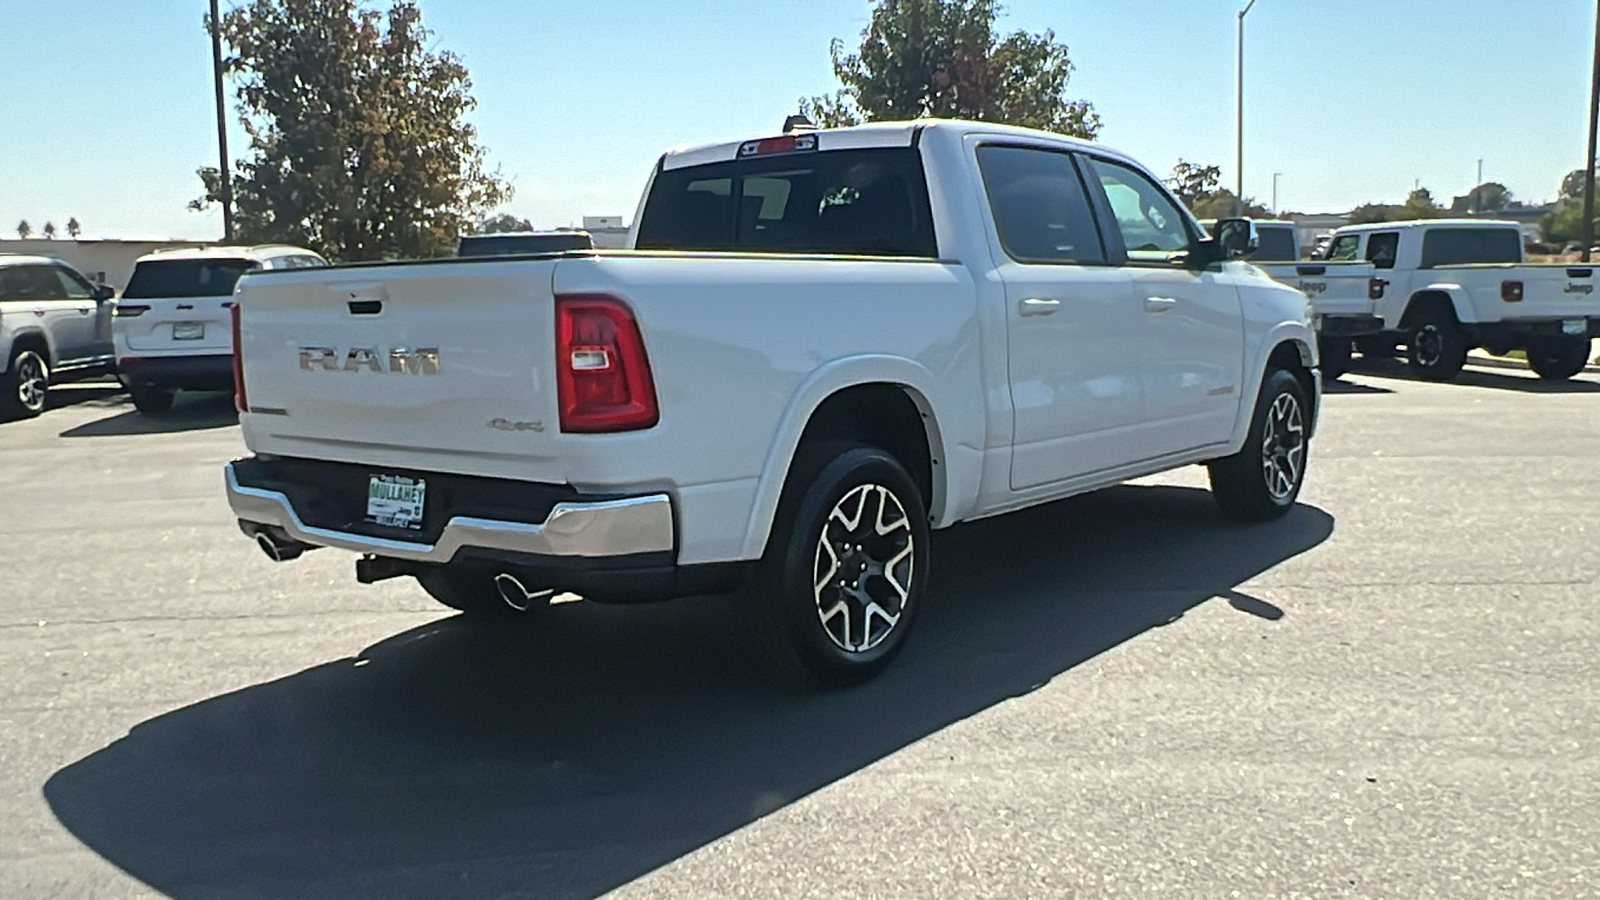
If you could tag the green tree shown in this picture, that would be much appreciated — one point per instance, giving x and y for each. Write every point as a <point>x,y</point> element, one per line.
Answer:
<point>1572,186</point>
<point>359,146</point>
<point>24,229</point>
<point>1491,196</point>
<point>943,58</point>
<point>1420,205</point>
<point>49,231</point>
<point>501,224</point>
<point>1565,224</point>
<point>1194,183</point>
<point>73,228</point>
<point>1222,204</point>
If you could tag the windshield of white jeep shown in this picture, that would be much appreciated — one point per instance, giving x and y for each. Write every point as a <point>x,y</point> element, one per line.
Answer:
<point>185,278</point>
<point>870,201</point>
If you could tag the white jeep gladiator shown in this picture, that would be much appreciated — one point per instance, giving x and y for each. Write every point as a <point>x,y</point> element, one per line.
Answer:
<point>821,346</point>
<point>1441,287</point>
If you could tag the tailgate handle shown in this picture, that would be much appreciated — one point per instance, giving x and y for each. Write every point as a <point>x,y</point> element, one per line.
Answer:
<point>1310,270</point>
<point>185,306</point>
<point>366,307</point>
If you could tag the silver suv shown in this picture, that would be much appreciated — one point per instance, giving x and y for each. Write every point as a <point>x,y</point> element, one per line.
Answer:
<point>54,326</point>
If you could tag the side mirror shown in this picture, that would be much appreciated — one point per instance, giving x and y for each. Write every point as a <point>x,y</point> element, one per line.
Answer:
<point>104,292</point>
<point>1236,238</point>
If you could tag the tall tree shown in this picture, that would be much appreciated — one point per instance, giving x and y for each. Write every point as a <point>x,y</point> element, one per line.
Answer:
<point>73,228</point>
<point>1491,196</point>
<point>1194,183</point>
<point>501,224</point>
<point>49,231</point>
<point>24,229</point>
<point>943,58</point>
<point>359,146</point>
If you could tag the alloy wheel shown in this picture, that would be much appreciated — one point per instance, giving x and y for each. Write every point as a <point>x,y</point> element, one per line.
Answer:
<point>1283,446</point>
<point>863,568</point>
<point>33,379</point>
<point>1428,345</point>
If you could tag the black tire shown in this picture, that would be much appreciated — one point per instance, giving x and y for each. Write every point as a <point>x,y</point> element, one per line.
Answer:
<point>151,399</point>
<point>1558,358</point>
<point>1262,480</point>
<point>1436,348</point>
<point>478,593</point>
<point>832,520</point>
<point>1334,354</point>
<point>24,385</point>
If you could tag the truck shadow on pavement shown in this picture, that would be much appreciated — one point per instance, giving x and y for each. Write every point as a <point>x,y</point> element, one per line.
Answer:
<point>1522,380</point>
<point>448,762</point>
<point>190,412</point>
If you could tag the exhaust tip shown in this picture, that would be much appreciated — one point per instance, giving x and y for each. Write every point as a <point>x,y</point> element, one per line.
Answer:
<point>278,551</point>
<point>516,594</point>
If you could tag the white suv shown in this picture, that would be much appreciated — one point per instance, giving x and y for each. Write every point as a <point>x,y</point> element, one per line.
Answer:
<point>173,328</point>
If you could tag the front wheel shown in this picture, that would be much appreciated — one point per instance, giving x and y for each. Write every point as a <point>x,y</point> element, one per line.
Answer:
<point>842,579</point>
<point>1558,358</point>
<point>1262,480</point>
<point>1438,349</point>
<point>24,385</point>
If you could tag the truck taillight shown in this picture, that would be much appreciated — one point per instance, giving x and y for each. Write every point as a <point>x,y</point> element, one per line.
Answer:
<point>239,401</point>
<point>603,377</point>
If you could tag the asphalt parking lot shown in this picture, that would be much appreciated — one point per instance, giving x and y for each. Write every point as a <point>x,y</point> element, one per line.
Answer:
<point>1392,692</point>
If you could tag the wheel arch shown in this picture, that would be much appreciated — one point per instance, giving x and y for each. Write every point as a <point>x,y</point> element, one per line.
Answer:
<point>892,409</point>
<point>36,339</point>
<point>1438,296</point>
<point>1290,346</point>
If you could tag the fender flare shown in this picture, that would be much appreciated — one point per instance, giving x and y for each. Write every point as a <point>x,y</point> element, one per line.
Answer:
<point>821,384</point>
<point>28,333</point>
<point>1460,301</point>
<point>1304,339</point>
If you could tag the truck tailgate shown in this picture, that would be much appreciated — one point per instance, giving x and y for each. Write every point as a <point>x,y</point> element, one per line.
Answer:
<point>442,366</point>
<point>1335,289</point>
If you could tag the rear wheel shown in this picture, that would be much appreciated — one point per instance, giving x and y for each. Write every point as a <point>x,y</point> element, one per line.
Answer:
<point>484,594</point>
<point>24,384</point>
<point>1438,349</point>
<point>1262,480</point>
<point>1334,354</point>
<point>842,579</point>
<point>151,399</point>
<point>1558,358</point>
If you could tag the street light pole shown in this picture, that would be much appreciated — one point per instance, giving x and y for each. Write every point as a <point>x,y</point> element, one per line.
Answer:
<point>1586,228</point>
<point>1275,177</point>
<point>1238,194</point>
<point>222,127</point>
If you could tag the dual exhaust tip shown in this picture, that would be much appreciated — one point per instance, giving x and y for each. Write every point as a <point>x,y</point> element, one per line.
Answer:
<point>279,548</point>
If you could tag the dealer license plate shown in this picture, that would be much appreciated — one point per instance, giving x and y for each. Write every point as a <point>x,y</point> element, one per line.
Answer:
<point>1574,326</point>
<point>395,500</point>
<point>188,331</point>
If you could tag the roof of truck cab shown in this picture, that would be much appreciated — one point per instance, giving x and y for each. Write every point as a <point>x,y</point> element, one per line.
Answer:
<point>878,134</point>
<point>1427,223</point>
<point>256,252</point>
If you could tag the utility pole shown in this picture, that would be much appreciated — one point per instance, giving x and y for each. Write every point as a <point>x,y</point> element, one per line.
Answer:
<point>1275,177</point>
<point>1480,173</point>
<point>222,127</point>
<point>1238,194</point>
<point>1587,228</point>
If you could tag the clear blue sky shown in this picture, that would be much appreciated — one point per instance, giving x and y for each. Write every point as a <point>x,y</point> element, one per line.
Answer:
<point>106,105</point>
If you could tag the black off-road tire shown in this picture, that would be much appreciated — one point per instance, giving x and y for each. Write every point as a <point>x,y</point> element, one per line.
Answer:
<point>1262,480</point>
<point>1435,347</point>
<point>476,591</point>
<point>150,399</point>
<point>842,579</point>
<point>24,385</point>
<point>1558,358</point>
<point>1334,355</point>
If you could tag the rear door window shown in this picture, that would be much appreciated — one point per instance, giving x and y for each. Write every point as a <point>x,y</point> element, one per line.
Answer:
<point>185,278</point>
<point>1382,247</point>
<point>1040,208</point>
<point>1454,246</point>
<point>854,202</point>
<point>31,282</point>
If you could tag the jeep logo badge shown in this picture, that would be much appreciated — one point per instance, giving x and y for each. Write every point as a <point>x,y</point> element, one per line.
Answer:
<point>421,361</point>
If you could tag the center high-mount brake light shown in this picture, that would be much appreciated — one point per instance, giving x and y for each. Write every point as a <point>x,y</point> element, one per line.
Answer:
<point>239,401</point>
<point>789,143</point>
<point>603,380</point>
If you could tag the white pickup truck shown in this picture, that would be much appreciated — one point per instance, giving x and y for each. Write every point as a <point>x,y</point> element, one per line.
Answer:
<point>1441,287</point>
<point>821,346</point>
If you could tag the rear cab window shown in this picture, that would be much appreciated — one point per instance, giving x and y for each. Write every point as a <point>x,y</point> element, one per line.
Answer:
<point>1455,246</point>
<point>851,202</point>
<point>161,278</point>
<point>1277,244</point>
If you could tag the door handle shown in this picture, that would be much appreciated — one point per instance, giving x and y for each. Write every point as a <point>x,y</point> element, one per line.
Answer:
<point>1038,306</point>
<point>1159,304</point>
